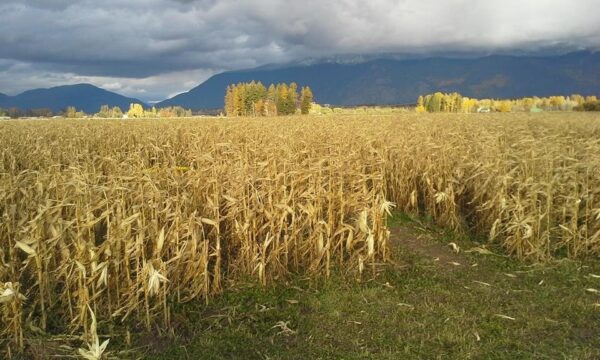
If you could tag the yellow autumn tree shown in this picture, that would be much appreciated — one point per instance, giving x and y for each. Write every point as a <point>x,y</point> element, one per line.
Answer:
<point>135,111</point>
<point>420,107</point>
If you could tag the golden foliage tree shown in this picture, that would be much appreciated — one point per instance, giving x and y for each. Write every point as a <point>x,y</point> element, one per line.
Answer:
<point>456,103</point>
<point>135,111</point>
<point>254,99</point>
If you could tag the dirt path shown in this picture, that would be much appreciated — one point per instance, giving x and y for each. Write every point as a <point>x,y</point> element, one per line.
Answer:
<point>427,243</point>
<point>406,237</point>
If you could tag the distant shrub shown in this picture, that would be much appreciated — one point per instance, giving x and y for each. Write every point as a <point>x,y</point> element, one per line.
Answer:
<point>590,105</point>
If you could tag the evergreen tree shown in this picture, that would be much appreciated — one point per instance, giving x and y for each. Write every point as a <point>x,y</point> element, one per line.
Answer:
<point>72,113</point>
<point>229,101</point>
<point>435,103</point>
<point>306,99</point>
<point>116,112</point>
<point>104,112</point>
<point>240,99</point>
<point>282,99</point>
<point>292,100</point>
<point>270,104</point>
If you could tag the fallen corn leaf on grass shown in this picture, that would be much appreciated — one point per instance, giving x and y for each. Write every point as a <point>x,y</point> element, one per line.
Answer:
<point>131,218</point>
<point>416,308</point>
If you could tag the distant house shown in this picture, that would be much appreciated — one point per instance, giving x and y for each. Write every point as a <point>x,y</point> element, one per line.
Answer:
<point>4,118</point>
<point>125,116</point>
<point>483,109</point>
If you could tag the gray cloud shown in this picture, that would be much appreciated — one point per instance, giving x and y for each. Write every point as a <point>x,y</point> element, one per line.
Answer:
<point>153,48</point>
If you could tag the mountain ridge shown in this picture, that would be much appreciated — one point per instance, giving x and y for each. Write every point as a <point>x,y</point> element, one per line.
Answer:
<point>392,81</point>
<point>85,97</point>
<point>377,81</point>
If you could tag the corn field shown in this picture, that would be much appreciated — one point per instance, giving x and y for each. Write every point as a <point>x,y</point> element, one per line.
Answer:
<point>120,221</point>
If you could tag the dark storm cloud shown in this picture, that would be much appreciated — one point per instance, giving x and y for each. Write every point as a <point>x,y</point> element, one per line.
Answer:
<point>153,48</point>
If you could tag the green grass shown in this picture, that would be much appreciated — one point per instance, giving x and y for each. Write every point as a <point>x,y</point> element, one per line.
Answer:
<point>416,308</point>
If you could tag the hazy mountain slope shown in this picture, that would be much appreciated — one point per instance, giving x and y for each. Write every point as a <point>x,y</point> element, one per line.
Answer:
<point>84,97</point>
<point>401,81</point>
<point>383,81</point>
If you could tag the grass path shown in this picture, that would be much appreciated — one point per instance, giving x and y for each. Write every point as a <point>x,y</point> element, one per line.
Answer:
<point>431,303</point>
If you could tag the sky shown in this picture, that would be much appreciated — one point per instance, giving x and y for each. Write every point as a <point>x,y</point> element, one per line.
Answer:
<point>154,49</point>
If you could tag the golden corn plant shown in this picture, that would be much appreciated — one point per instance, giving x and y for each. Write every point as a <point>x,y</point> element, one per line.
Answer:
<point>126,219</point>
<point>124,222</point>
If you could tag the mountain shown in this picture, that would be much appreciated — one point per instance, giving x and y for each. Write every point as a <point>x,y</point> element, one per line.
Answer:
<point>393,81</point>
<point>363,81</point>
<point>84,97</point>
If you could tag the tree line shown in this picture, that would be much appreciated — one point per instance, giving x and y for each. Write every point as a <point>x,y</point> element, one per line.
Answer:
<point>105,112</point>
<point>137,111</point>
<point>17,113</point>
<point>455,102</point>
<point>591,103</point>
<point>254,99</point>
